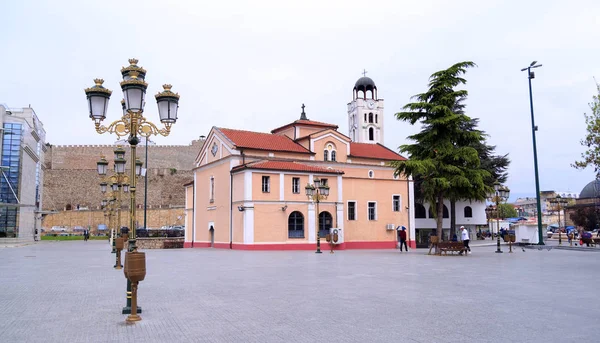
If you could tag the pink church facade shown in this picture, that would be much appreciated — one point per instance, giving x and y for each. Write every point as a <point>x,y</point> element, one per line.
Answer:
<point>249,191</point>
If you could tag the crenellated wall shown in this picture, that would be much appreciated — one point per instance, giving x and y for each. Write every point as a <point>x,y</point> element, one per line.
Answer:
<point>71,178</point>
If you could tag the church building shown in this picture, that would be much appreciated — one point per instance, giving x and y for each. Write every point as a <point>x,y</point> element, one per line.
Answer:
<point>250,188</point>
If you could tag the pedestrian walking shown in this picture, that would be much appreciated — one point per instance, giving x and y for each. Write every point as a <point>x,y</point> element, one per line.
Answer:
<point>402,236</point>
<point>465,238</point>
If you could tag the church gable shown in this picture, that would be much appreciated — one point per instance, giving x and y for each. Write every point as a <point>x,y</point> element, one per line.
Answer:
<point>216,147</point>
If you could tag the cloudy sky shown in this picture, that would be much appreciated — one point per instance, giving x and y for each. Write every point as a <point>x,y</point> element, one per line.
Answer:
<point>251,64</point>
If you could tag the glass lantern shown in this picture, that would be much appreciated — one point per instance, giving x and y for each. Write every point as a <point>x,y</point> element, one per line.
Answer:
<point>103,187</point>
<point>102,166</point>
<point>138,167</point>
<point>134,92</point>
<point>97,98</point>
<point>168,105</point>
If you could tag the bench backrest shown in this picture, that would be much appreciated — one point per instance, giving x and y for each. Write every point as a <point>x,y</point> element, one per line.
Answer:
<point>453,245</point>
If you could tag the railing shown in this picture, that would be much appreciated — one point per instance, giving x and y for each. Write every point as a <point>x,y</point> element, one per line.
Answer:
<point>159,233</point>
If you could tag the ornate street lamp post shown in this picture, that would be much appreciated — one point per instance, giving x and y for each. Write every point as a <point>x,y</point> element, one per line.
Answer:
<point>119,182</point>
<point>499,196</point>
<point>316,192</point>
<point>489,212</point>
<point>559,202</point>
<point>134,125</point>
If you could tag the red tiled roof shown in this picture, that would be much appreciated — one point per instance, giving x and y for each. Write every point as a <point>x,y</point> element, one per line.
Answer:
<point>262,141</point>
<point>373,151</point>
<point>306,122</point>
<point>287,166</point>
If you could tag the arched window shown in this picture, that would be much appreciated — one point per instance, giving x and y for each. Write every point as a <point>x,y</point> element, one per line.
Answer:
<point>333,155</point>
<point>468,212</point>
<point>325,155</point>
<point>376,116</point>
<point>420,211</point>
<point>432,211</point>
<point>296,225</point>
<point>371,134</point>
<point>370,117</point>
<point>325,221</point>
<point>365,117</point>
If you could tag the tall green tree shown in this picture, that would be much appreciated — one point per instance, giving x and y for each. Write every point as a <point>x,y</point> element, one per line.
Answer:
<point>591,157</point>
<point>495,165</point>
<point>436,158</point>
<point>507,211</point>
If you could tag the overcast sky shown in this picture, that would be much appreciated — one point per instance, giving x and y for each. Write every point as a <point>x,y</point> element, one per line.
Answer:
<point>251,64</point>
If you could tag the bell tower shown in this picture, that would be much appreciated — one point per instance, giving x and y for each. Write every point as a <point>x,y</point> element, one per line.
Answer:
<point>365,113</point>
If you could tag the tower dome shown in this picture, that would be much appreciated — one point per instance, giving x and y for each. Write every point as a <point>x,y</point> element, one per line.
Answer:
<point>591,190</point>
<point>365,84</point>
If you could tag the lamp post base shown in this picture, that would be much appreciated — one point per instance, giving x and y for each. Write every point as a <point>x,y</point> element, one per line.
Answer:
<point>127,310</point>
<point>499,251</point>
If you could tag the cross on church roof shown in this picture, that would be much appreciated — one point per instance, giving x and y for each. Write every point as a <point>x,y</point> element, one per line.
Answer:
<point>303,115</point>
<point>364,72</point>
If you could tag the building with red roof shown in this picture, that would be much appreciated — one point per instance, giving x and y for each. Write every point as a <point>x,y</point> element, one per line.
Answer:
<point>250,189</point>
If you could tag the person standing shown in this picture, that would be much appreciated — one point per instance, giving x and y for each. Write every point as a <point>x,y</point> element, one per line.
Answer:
<point>402,236</point>
<point>465,238</point>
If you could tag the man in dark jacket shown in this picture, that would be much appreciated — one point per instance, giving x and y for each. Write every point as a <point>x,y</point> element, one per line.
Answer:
<point>402,236</point>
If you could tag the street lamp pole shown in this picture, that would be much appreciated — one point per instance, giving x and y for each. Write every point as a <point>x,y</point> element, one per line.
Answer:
<point>531,75</point>
<point>559,202</point>
<point>316,192</point>
<point>500,195</point>
<point>134,125</point>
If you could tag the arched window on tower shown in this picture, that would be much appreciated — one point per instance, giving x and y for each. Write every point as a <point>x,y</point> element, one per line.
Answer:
<point>371,134</point>
<point>365,117</point>
<point>370,117</point>
<point>325,155</point>
<point>376,118</point>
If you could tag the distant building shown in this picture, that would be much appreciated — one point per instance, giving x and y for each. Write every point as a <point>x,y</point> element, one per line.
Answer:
<point>469,214</point>
<point>21,172</point>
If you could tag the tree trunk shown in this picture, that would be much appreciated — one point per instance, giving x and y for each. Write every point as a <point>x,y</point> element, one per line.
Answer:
<point>440,216</point>
<point>452,217</point>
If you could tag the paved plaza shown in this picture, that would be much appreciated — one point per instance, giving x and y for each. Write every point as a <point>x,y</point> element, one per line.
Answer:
<point>69,292</point>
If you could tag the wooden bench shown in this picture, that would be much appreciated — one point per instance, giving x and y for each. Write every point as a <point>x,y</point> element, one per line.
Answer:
<point>452,247</point>
<point>591,241</point>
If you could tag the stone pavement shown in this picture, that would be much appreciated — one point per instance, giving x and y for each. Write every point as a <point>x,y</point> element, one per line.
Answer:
<point>69,292</point>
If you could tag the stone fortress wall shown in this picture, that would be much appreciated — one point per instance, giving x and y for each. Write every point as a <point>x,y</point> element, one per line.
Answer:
<point>71,179</point>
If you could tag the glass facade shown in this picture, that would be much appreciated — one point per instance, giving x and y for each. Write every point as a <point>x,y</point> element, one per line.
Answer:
<point>12,137</point>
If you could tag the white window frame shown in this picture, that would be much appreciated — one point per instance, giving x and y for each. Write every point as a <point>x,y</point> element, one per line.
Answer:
<point>371,174</point>
<point>295,186</point>
<point>399,202</point>
<point>372,202</point>
<point>268,184</point>
<point>355,210</point>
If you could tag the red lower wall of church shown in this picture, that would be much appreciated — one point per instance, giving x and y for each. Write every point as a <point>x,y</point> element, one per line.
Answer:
<point>303,246</point>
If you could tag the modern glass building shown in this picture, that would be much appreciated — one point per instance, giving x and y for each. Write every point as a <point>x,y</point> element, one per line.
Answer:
<point>22,149</point>
<point>9,182</point>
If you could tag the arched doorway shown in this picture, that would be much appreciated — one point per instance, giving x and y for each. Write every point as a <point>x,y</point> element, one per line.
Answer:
<point>211,232</point>
<point>325,223</point>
